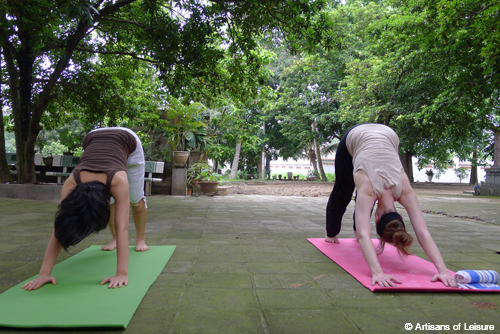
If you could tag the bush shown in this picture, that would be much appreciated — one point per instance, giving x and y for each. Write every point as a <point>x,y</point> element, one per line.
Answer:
<point>330,177</point>
<point>55,148</point>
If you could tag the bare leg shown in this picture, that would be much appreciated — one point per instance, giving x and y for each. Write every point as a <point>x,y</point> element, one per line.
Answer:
<point>112,244</point>
<point>140,215</point>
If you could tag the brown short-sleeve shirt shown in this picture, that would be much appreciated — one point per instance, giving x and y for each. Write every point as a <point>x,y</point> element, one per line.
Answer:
<point>105,151</point>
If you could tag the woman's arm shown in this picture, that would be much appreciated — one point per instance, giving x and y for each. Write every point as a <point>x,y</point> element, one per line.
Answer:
<point>49,260</point>
<point>364,204</point>
<point>52,251</point>
<point>410,202</point>
<point>120,192</point>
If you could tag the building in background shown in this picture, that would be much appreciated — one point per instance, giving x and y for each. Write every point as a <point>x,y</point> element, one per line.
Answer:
<point>303,166</point>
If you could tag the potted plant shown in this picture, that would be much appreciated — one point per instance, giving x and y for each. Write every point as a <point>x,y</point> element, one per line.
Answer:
<point>203,174</point>
<point>54,148</point>
<point>430,174</point>
<point>185,126</point>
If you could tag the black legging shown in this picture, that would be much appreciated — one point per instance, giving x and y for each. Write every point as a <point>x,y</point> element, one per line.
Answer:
<point>342,190</point>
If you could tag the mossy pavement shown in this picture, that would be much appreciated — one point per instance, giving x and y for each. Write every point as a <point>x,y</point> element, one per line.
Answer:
<point>243,265</point>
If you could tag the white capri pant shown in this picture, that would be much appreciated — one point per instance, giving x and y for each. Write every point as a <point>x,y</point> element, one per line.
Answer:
<point>136,168</point>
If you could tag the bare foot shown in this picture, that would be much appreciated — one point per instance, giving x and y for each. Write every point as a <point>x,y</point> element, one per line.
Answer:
<point>140,245</point>
<point>334,240</point>
<point>110,246</point>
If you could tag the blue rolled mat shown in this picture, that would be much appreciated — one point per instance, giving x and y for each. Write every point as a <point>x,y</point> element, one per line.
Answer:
<point>477,279</point>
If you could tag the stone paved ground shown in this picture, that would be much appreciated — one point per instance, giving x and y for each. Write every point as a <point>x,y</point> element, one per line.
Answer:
<point>243,265</point>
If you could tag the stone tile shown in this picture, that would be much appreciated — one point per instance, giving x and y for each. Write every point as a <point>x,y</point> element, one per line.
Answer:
<point>293,299</point>
<point>222,255</point>
<point>243,265</point>
<point>151,320</point>
<point>308,321</point>
<point>218,298</point>
<point>270,257</point>
<point>388,320</point>
<point>209,320</point>
<point>267,281</point>
<point>162,297</point>
<point>274,267</point>
<point>221,280</point>
<point>221,267</point>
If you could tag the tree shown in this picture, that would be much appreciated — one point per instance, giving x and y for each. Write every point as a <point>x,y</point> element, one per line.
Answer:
<point>45,43</point>
<point>461,44</point>
<point>304,111</point>
<point>461,173</point>
<point>404,72</point>
<point>4,172</point>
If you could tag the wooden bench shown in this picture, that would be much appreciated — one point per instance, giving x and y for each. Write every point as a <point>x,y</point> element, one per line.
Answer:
<point>67,161</point>
<point>12,160</point>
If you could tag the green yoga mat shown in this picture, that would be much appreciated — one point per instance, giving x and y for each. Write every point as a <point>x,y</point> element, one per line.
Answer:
<point>78,300</point>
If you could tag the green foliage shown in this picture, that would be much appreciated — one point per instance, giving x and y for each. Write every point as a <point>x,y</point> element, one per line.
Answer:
<point>185,122</point>
<point>330,177</point>
<point>10,142</point>
<point>236,121</point>
<point>54,148</point>
<point>78,152</point>
<point>305,86</point>
<point>108,91</point>
<point>199,48</point>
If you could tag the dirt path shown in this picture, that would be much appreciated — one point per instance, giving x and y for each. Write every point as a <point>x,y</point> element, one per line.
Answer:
<point>316,189</point>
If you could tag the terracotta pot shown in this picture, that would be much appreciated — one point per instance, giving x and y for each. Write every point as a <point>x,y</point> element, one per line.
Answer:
<point>180,158</point>
<point>189,191</point>
<point>208,187</point>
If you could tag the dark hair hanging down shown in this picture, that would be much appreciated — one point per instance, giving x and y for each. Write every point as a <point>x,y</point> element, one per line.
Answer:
<point>84,211</point>
<point>391,229</point>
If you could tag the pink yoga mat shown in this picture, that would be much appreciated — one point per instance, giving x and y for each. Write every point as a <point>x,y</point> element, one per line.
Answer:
<point>414,272</point>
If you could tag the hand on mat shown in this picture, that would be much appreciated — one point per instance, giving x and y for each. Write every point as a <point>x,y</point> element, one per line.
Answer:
<point>38,282</point>
<point>334,240</point>
<point>116,281</point>
<point>384,280</point>
<point>446,279</point>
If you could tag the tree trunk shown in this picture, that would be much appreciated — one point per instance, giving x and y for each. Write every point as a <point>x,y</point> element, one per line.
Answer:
<point>262,158</point>
<point>312,158</point>
<point>260,164</point>
<point>236,160</point>
<point>496,155</point>
<point>320,162</point>
<point>318,154</point>
<point>268,166</point>
<point>406,160</point>
<point>473,169</point>
<point>4,168</point>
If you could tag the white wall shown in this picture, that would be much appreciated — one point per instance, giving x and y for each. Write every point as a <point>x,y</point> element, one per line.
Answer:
<point>302,166</point>
<point>449,176</point>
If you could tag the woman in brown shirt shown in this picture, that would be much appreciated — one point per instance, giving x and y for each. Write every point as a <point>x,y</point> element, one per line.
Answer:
<point>111,170</point>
